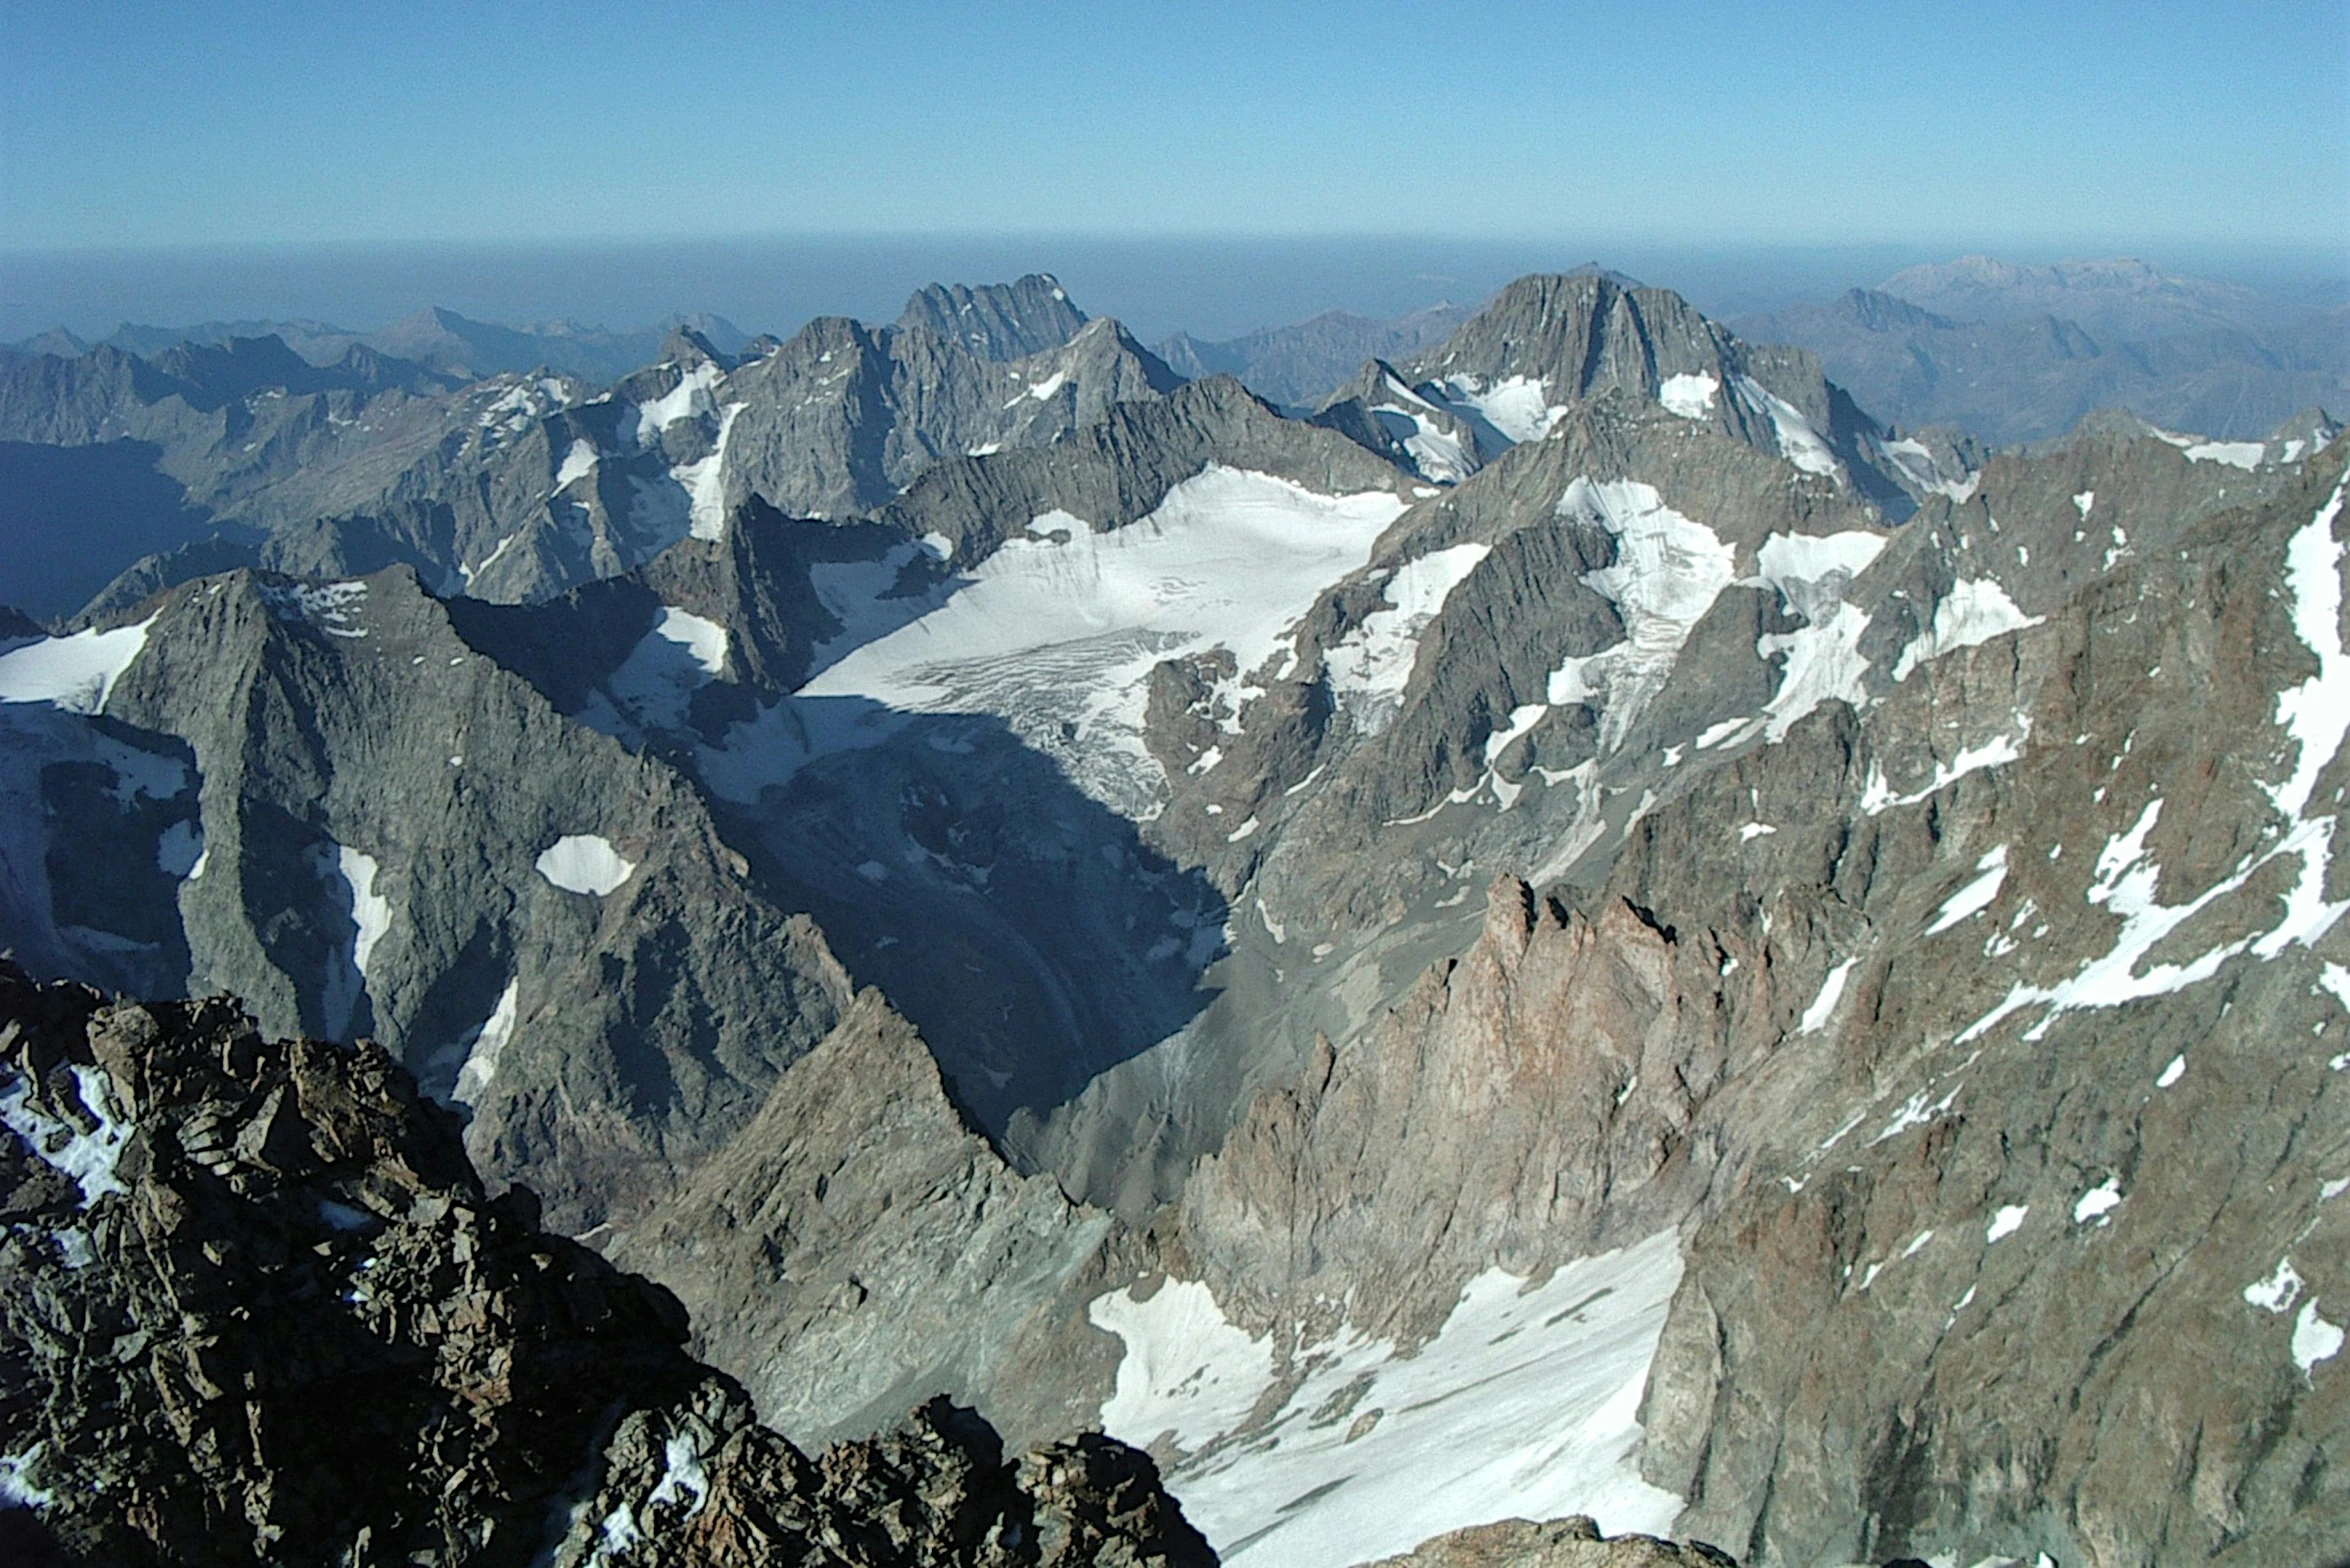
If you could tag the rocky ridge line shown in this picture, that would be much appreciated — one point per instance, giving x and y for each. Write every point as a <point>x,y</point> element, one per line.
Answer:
<point>257,1307</point>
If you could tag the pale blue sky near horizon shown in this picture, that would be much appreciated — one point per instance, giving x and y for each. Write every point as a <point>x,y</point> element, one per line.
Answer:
<point>2092,126</point>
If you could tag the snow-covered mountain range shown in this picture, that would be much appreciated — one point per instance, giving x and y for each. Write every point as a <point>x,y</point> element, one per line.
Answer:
<point>1586,927</point>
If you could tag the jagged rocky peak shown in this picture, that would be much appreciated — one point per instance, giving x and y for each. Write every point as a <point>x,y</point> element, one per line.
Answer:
<point>1549,342</point>
<point>1878,311</point>
<point>1578,332</point>
<point>519,486</point>
<point>1422,433</point>
<point>997,321</point>
<point>259,1309</point>
<point>452,928</point>
<point>688,347</point>
<point>59,340</point>
<point>2305,434</point>
<point>2298,439</point>
<point>233,368</point>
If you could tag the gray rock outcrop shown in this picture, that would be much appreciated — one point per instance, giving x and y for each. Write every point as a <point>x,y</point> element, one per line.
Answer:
<point>258,1308</point>
<point>520,485</point>
<point>1547,343</point>
<point>1557,1543</point>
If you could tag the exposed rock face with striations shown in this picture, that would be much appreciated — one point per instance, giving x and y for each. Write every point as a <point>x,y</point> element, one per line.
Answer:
<point>2003,1185</point>
<point>1543,1091</point>
<point>1002,322</point>
<point>1950,1151</point>
<point>257,1308</point>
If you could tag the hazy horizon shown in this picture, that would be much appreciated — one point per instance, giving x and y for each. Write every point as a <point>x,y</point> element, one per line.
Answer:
<point>1187,165</point>
<point>1210,286</point>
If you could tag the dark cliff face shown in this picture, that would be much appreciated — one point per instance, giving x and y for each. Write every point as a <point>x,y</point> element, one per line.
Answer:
<point>258,1308</point>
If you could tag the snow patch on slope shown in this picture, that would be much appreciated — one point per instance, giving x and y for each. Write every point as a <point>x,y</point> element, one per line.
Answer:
<point>1974,611</point>
<point>75,673</point>
<point>2316,713</point>
<point>682,653</point>
<point>1799,441</point>
<point>1372,664</point>
<point>1188,1374</point>
<point>88,1157</point>
<point>1806,568</point>
<point>578,463</point>
<point>689,397</point>
<point>2238,454</point>
<point>2316,716</point>
<point>1977,895</point>
<point>1823,1006</point>
<point>352,874</point>
<point>1437,453</point>
<point>1526,1403</point>
<point>1823,661</point>
<point>327,606</point>
<point>489,1041</point>
<point>584,863</point>
<point>1690,396</point>
<point>1518,407</point>
<point>1667,573</point>
<point>705,482</point>
<point>1824,664</point>
<point>371,912</point>
<point>1920,468</point>
<point>1877,795</point>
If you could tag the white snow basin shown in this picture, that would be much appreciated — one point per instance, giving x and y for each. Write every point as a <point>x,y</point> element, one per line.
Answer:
<point>75,673</point>
<point>1525,1405</point>
<point>584,863</point>
<point>1057,631</point>
<point>1518,407</point>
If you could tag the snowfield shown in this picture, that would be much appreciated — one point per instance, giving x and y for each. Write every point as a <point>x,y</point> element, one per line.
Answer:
<point>74,673</point>
<point>1524,1405</point>
<point>1057,632</point>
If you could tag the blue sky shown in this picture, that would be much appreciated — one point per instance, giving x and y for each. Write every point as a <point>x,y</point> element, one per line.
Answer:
<point>2092,126</point>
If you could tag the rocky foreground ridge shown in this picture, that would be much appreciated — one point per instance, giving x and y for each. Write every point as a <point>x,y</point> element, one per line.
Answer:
<point>257,1308</point>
